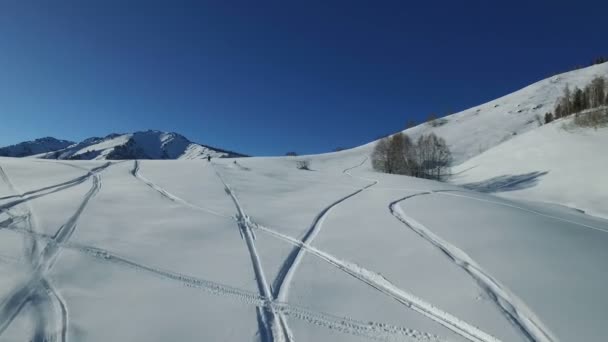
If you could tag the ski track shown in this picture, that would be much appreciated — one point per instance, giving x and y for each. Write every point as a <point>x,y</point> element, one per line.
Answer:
<point>287,271</point>
<point>166,194</point>
<point>38,284</point>
<point>371,330</point>
<point>509,304</point>
<point>276,329</point>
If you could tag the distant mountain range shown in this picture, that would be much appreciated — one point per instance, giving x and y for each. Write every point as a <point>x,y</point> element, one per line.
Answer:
<point>139,145</point>
<point>38,146</point>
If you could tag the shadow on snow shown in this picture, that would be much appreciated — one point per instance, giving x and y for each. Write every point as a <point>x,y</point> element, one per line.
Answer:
<point>507,182</point>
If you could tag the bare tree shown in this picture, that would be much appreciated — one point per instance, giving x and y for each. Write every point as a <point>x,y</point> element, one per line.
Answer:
<point>433,157</point>
<point>303,164</point>
<point>380,156</point>
<point>597,95</point>
<point>566,101</point>
<point>429,158</point>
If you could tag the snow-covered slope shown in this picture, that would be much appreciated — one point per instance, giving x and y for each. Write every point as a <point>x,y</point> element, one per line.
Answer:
<point>475,130</point>
<point>28,148</point>
<point>139,145</point>
<point>500,147</point>
<point>255,249</point>
<point>556,163</point>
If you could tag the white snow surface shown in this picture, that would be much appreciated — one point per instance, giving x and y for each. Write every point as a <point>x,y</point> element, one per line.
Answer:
<point>255,249</point>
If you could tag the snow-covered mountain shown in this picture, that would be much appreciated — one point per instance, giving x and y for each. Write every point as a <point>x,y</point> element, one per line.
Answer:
<point>28,148</point>
<point>502,147</point>
<point>478,129</point>
<point>139,145</point>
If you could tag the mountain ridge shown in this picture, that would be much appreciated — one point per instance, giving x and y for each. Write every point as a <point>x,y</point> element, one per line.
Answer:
<point>150,144</point>
<point>37,146</point>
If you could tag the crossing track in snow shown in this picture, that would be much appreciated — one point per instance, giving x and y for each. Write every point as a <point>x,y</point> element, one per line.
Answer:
<point>31,195</point>
<point>275,327</point>
<point>46,293</point>
<point>37,283</point>
<point>368,329</point>
<point>287,271</point>
<point>514,309</point>
<point>381,284</point>
<point>168,195</point>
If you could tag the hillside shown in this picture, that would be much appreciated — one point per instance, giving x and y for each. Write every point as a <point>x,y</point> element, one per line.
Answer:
<point>499,147</point>
<point>478,129</point>
<point>557,163</point>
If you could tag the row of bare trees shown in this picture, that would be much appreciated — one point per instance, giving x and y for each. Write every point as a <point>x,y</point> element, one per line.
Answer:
<point>594,95</point>
<point>429,157</point>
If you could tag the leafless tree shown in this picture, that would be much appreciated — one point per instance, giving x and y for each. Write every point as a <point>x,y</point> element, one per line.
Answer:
<point>380,156</point>
<point>303,164</point>
<point>598,92</point>
<point>433,157</point>
<point>429,158</point>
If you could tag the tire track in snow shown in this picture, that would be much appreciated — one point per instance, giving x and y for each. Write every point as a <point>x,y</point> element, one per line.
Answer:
<point>166,194</point>
<point>514,309</point>
<point>275,327</point>
<point>371,330</point>
<point>13,304</point>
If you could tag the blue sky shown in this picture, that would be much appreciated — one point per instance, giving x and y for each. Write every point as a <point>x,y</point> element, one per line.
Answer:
<point>265,78</point>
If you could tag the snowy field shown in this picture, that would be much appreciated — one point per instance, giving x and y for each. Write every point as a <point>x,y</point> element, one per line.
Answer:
<point>258,250</point>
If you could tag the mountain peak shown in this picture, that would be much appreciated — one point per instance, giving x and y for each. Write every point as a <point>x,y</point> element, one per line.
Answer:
<point>149,144</point>
<point>37,146</point>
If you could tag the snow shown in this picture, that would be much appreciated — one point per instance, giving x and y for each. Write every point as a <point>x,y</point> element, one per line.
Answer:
<point>246,249</point>
<point>556,163</point>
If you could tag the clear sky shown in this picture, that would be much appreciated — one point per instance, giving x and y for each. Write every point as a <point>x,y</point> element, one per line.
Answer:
<point>265,78</point>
